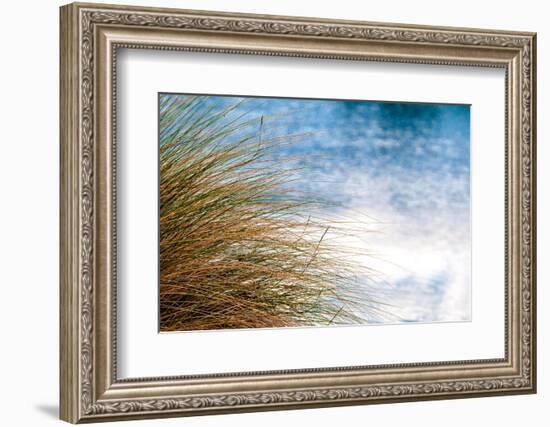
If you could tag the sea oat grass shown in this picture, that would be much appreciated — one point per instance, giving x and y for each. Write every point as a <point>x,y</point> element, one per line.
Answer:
<point>238,246</point>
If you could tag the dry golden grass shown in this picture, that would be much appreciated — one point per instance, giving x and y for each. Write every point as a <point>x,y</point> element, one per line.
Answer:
<point>236,249</point>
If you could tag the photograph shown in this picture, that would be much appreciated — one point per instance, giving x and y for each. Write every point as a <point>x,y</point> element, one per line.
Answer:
<point>263,210</point>
<point>291,212</point>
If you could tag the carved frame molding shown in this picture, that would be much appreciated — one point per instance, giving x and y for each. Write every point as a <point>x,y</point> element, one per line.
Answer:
<point>90,390</point>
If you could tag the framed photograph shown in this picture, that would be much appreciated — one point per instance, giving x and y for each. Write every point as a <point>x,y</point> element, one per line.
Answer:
<point>266,212</point>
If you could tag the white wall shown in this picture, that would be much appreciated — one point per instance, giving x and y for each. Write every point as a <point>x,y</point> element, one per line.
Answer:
<point>29,169</point>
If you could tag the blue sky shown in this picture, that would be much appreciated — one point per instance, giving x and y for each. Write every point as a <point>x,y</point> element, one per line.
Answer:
<point>401,169</point>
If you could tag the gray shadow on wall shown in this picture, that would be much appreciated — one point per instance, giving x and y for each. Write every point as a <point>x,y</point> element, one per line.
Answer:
<point>50,410</point>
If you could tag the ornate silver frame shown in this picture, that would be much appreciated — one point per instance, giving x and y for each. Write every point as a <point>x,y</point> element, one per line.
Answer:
<point>90,36</point>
